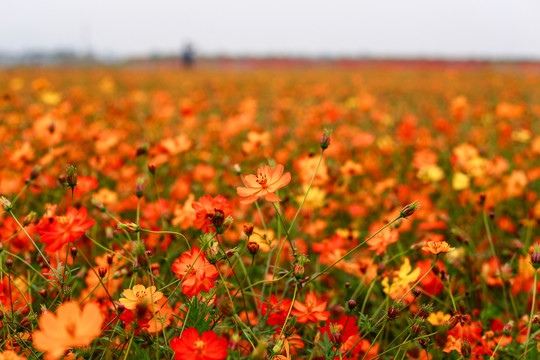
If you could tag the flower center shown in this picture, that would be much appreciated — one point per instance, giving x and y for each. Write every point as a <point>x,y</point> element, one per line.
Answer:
<point>70,328</point>
<point>199,345</point>
<point>140,294</point>
<point>262,179</point>
<point>63,220</point>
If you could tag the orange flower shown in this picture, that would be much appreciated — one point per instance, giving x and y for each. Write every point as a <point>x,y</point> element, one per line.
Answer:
<point>313,309</point>
<point>197,272</point>
<point>436,247</point>
<point>10,355</point>
<point>265,183</point>
<point>70,328</point>
<point>382,240</point>
<point>140,295</point>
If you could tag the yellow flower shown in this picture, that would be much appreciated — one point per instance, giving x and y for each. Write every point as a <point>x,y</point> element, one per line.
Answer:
<point>460,181</point>
<point>438,318</point>
<point>315,198</point>
<point>140,295</point>
<point>401,280</point>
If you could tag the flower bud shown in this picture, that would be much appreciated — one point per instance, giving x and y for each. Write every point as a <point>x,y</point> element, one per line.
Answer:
<point>139,188</point>
<point>237,169</point>
<point>466,349</point>
<point>417,292</point>
<point>43,293</point>
<point>416,328</point>
<point>325,140</point>
<point>73,252</point>
<point>507,329</point>
<point>142,150</point>
<point>535,257</point>
<point>102,271</point>
<point>336,334</point>
<point>9,264</point>
<point>218,219</point>
<point>410,209</point>
<point>6,204</point>
<point>248,229</point>
<point>129,227</point>
<point>110,258</point>
<point>393,312</point>
<point>351,304</point>
<point>71,176</point>
<point>34,173</point>
<point>253,247</point>
<point>120,308</point>
<point>212,254</point>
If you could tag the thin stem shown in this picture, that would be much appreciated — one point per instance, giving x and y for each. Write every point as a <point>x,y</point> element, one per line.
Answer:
<point>531,316</point>
<point>353,250</point>
<point>290,309</point>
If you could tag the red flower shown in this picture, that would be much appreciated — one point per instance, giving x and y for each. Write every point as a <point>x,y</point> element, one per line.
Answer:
<point>205,209</point>
<point>200,273</point>
<point>276,310</point>
<point>56,230</point>
<point>192,346</point>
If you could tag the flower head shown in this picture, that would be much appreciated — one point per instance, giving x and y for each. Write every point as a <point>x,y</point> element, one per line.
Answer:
<point>70,327</point>
<point>197,272</point>
<point>264,184</point>
<point>207,208</point>
<point>192,346</point>
<point>436,247</point>
<point>56,230</point>
<point>140,295</point>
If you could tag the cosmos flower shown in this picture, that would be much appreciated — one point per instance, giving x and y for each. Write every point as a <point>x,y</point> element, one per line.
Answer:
<point>56,230</point>
<point>311,310</point>
<point>437,247</point>
<point>71,327</point>
<point>197,272</point>
<point>140,295</point>
<point>205,209</point>
<point>192,346</point>
<point>264,184</point>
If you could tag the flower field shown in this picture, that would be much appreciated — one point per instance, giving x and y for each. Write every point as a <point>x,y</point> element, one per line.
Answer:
<point>360,212</point>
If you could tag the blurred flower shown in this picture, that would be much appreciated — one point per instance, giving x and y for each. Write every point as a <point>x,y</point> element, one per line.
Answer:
<point>58,230</point>
<point>70,327</point>
<point>140,295</point>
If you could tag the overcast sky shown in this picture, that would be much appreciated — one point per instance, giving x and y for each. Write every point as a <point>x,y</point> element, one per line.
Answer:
<point>457,28</point>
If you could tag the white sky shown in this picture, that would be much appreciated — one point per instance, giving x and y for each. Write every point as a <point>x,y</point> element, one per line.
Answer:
<point>457,28</point>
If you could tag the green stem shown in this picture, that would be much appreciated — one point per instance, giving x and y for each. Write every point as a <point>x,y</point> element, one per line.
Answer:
<point>531,316</point>
<point>353,250</point>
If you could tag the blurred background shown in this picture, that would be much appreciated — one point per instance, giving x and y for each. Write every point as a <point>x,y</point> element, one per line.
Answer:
<point>177,32</point>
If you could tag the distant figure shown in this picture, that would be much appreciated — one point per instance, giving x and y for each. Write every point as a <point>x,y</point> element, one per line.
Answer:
<point>188,56</point>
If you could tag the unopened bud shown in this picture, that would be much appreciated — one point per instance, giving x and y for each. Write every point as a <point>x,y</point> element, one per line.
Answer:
<point>73,252</point>
<point>34,173</point>
<point>325,140</point>
<point>352,304</point>
<point>253,247</point>
<point>410,209</point>
<point>152,168</point>
<point>139,188</point>
<point>393,312</point>
<point>102,271</point>
<point>248,229</point>
<point>71,176</point>
<point>6,204</point>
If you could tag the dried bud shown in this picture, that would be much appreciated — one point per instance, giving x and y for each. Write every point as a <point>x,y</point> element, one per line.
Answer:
<point>352,304</point>
<point>416,328</point>
<point>25,322</point>
<point>253,247</point>
<point>120,308</point>
<point>457,318</point>
<point>230,253</point>
<point>102,271</point>
<point>325,139</point>
<point>410,209</point>
<point>393,312</point>
<point>34,173</point>
<point>425,311</point>
<point>110,258</point>
<point>218,219</point>
<point>142,150</point>
<point>139,188</point>
<point>152,168</point>
<point>6,204</point>
<point>71,176</point>
<point>482,198</point>
<point>466,349</point>
<point>52,127</point>
<point>423,342</point>
<point>248,229</point>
